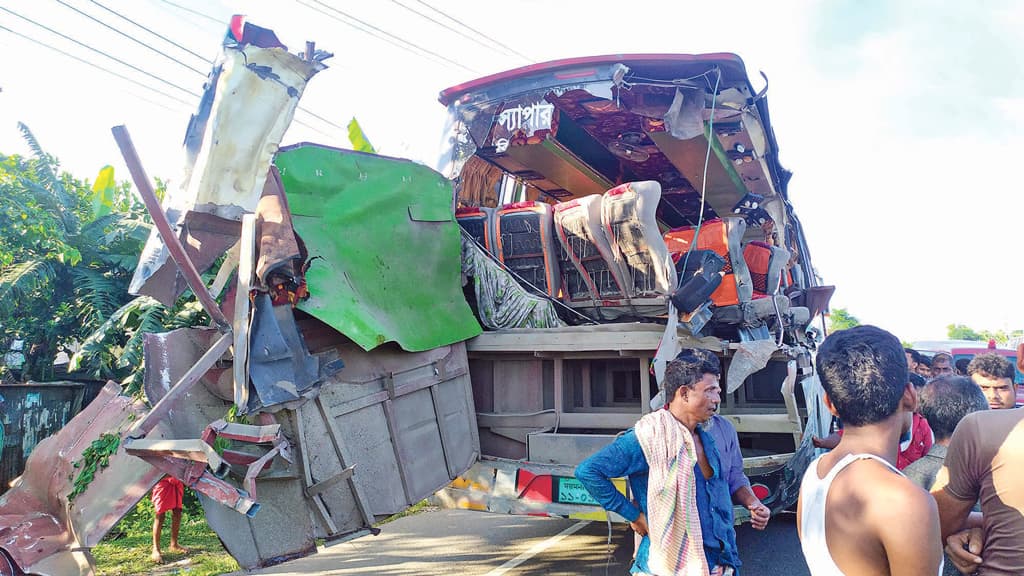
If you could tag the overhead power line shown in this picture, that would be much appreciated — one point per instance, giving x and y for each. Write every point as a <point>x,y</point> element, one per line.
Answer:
<point>102,53</point>
<point>144,72</point>
<point>190,105</point>
<point>363,30</point>
<point>471,29</point>
<point>98,67</point>
<point>381,31</point>
<point>451,29</point>
<point>300,108</point>
<point>132,38</point>
<point>195,12</point>
<point>157,34</point>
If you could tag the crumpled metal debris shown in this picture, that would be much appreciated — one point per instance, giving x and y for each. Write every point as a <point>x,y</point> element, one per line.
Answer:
<point>281,368</point>
<point>750,357</point>
<point>282,255</point>
<point>40,528</point>
<point>249,102</point>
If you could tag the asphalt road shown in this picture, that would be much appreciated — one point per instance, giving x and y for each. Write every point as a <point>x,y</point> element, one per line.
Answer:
<point>444,542</point>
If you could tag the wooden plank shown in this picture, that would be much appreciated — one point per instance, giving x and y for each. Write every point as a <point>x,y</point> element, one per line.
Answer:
<point>600,355</point>
<point>604,420</point>
<point>773,461</point>
<point>518,386</point>
<point>533,421</point>
<point>498,342</point>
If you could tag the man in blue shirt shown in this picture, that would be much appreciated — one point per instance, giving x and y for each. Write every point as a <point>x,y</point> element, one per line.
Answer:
<point>691,384</point>
<point>728,444</point>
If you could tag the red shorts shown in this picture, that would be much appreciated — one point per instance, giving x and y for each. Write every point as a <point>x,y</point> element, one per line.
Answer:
<point>167,494</point>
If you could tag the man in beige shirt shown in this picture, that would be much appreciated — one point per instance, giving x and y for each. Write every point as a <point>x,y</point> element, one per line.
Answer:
<point>985,462</point>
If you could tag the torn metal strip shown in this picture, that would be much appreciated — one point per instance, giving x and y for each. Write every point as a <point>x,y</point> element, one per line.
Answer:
<point>249,102</point>
<point>246,258</point>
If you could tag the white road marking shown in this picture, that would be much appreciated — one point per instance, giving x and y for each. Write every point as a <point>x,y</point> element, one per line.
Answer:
<point>537,549</point>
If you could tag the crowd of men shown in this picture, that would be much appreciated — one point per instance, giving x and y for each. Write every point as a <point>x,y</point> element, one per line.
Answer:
<point>923,464</point>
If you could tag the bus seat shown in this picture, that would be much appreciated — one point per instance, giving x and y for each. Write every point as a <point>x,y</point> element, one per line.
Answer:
<point>722,236</point>
<point>478,221</point>
<point>525,244</point>
<point>628,217</point>
<point>766,264</point>
<point>585,255</point>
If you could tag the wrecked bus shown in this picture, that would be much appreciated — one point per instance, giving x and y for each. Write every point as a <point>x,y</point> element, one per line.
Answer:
<point>614,210</point>
<point>387,331</point>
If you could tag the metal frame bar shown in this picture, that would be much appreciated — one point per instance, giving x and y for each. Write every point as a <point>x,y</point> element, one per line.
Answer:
<point>163,226</point>
<point>559,385</point>
<point>181,387</point>
<point>316,499</point>
<point>194,450</point>
<point>396,446</point>
<point>249,483</point>
<point>361,502</point>
<point>246,432</point>
<point>439,415</point>
<point>205,482</point>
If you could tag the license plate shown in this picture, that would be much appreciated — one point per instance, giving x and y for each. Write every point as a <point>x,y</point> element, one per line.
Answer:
<point>571,491</point>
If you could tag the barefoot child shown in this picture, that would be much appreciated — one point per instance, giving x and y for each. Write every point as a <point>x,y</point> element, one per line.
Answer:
<point>167,495</point>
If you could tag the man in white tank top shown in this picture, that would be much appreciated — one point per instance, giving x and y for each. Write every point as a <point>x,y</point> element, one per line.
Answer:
<point>857,514</point>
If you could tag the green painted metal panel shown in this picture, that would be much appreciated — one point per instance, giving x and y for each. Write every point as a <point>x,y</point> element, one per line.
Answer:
<point>384,246</point>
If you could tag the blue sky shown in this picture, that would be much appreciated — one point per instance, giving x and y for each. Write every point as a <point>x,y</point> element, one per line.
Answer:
<point>903,122</point>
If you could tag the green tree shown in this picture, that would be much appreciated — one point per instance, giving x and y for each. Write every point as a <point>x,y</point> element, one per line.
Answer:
<point>113,350</point>
<point>841,319</point>
<point>66,254</point>
<point>962,332</point>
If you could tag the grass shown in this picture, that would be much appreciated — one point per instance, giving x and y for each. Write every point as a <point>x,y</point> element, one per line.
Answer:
<point>125,551</point>
<point>421,506</point>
